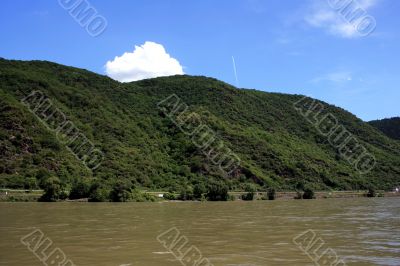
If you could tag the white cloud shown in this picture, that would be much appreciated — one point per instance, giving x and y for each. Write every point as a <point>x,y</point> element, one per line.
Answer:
<point>340,76</point>
<point>149,60</point>
<point>322,15</point>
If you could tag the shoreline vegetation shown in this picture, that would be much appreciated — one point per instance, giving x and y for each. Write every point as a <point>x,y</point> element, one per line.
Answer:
<point>22,195</point>
<point>53,118</point>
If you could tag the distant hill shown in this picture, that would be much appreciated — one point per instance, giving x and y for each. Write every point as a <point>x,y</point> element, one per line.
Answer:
<point>389,126</point>
<point>276,145</point>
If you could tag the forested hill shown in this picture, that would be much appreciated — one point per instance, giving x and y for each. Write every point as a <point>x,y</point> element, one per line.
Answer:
<point>272,139</point>
<point>389,126</point>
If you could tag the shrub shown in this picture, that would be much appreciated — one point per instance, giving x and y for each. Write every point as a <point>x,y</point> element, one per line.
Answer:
<point>30,183</point>
<point>169,196</point>
<point>139,196</point>
<point>371,193</point>
<point>308,194</point>
<point>217,191</point>
<point>99,194</point>
<point>79,190</point>
<point>250,189</point>
<point>53,190</point>
<point>271,194</point>
<point>248,196</point>
<point>199,190</point>
<point>121,192</point>
<point>186,193</point>
<point>299,195</point>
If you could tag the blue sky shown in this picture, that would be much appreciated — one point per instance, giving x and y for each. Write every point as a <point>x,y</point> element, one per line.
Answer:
<point>303,47</point>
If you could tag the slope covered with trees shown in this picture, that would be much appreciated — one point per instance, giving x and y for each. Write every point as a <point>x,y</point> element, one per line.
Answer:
<point>143,148</point>
<point>389,126</point>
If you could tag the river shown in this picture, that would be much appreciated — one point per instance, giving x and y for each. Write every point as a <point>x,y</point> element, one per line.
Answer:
<point>362,231</point>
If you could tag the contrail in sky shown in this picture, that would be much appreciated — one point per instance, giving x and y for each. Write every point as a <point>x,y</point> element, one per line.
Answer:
<point>234,70</point>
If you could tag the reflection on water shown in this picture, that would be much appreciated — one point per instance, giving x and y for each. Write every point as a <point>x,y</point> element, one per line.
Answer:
<point>360,231</point>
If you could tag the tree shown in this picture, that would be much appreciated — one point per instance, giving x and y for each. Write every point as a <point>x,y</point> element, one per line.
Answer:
<point>371,193</point>
<point>250,189</point>
<point>186,193</point>
<point>79,190</point>
<point>199,190</point>
<point>53,190</point>
<point>308,194</point>
<point>217,191</point>
<point>271,194</point>
<point>121,192</point>
<point>300,185</point>
<point>99,193</point>
<point>30,183</point>
<point>169,196</point>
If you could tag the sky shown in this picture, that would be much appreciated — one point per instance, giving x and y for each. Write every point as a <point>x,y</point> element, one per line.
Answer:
<point>311,47</point>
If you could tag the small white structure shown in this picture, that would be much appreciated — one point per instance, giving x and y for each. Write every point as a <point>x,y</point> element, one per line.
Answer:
<point>161,195</point>
<point>397,190</point>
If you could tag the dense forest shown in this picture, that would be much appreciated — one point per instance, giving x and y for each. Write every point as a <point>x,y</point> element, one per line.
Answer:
<point>389,126</point>
<point>144,148</point>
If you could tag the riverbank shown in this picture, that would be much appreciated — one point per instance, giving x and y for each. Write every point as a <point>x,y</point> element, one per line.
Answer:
<point>20,195</point>
<point>16,195</point>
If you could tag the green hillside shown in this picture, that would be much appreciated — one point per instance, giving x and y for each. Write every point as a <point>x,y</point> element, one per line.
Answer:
<point>276,145</point>
<point>389,126</point>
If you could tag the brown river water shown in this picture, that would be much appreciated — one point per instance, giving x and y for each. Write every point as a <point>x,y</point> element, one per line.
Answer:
<point>304,232</point>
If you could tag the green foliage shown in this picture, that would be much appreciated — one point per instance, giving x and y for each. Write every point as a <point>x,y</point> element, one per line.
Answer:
<point>139,196</point>
<point>371,193</point>
<point>186,193</point>
<point>53,190</point>
<point>308,194</point>
<point>389,126</point>
<point>230,198</point>
<point>248,196</point>
<point>170,196</point>
<point>79,190</point>
<point>121,192</point>
<point>271,194</point>
<point>217,191</point>
<point>250,189</point>
<point>31,183</point>
<point>98,192</point>
<point>277,146</point>
<point>199,190</point>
